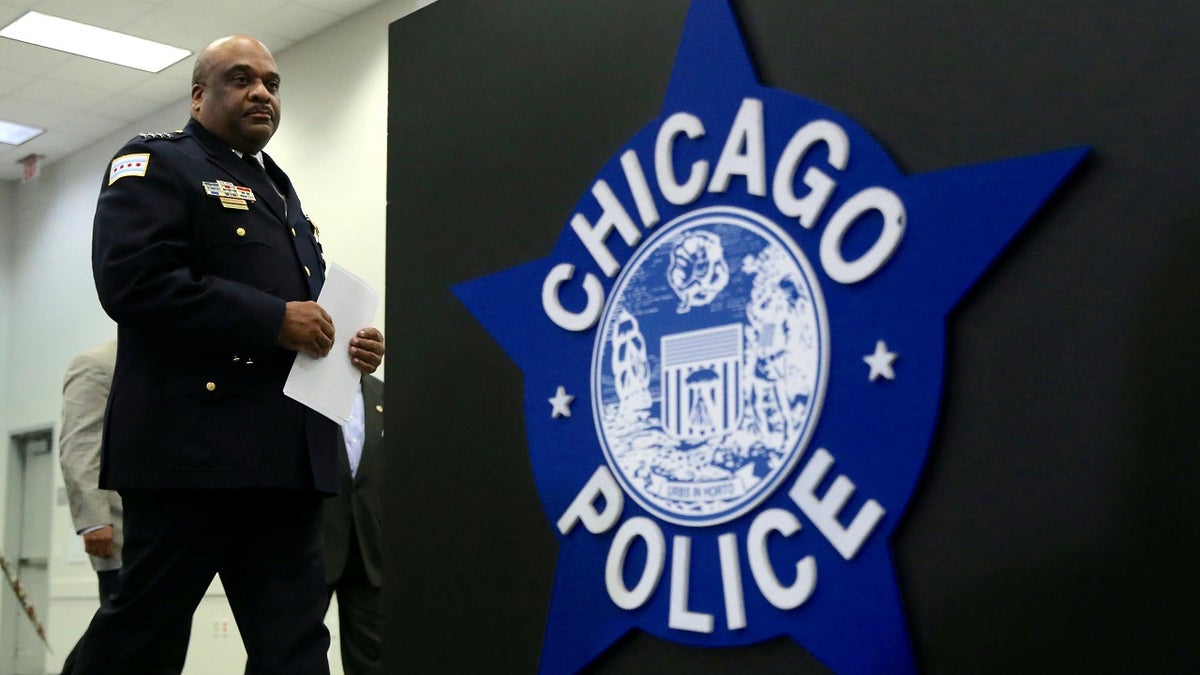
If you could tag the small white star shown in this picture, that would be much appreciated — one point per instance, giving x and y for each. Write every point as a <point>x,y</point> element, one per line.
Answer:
<point>561,402</point>
<point>881,362</point>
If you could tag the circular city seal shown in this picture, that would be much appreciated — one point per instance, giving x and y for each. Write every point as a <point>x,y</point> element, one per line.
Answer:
<point>709,366</point>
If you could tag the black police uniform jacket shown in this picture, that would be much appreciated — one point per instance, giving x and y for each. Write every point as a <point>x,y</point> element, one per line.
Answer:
<point>195,254</point>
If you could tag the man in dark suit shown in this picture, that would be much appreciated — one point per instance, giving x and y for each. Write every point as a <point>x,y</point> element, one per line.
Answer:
<point>350,533</point>
<point>203,256</point>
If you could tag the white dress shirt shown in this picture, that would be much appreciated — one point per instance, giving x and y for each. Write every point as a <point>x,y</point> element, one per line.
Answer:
<point>354,431</point>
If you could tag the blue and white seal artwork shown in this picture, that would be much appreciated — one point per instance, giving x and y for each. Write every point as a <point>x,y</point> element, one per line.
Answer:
<point>709,366</point>
<point>733,361</point>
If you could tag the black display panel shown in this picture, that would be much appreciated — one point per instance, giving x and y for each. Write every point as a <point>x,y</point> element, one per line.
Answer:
<point>1052,526</point>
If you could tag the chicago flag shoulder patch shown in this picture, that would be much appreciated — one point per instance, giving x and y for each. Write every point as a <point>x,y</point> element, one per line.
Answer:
<point>128,165</point>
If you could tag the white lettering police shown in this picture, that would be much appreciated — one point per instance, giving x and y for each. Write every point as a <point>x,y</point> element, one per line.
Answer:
<point>744,154</point>
<point>824,512</point>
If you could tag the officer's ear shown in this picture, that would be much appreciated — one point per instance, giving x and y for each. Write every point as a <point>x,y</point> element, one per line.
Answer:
<point>197,94</point>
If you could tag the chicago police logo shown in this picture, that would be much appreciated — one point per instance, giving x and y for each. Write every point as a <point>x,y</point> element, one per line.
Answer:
<point>709,366</point>
<point>733,362</point>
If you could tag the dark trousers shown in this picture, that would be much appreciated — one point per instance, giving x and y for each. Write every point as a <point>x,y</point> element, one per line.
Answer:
<point>359,615</point>
<point>108,580</point>
<point>265,546</point>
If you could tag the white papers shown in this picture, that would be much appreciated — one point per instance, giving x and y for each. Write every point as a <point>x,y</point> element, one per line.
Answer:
<point>328,385</point>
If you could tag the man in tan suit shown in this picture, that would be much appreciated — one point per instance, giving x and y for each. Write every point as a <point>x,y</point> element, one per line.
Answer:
<point>96,513</point>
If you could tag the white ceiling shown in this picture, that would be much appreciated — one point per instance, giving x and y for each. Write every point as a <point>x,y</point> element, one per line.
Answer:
<point>78,100</point>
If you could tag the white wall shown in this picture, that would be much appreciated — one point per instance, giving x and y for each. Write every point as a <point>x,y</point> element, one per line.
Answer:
<point>332,142</point>
<point>7,634</point>
<point>6,251</point>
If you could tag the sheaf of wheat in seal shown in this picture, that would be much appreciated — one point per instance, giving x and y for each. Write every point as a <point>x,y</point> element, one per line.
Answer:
<point>710,366</point>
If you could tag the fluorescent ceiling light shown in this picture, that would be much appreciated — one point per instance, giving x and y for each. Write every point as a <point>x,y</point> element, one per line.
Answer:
<point>97,43</point>
<point>12,133</point>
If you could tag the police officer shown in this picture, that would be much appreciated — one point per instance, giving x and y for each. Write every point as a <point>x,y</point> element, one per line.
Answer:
<point>204,258</point>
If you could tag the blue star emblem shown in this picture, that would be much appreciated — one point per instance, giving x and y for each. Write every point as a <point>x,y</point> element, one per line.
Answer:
<point>729,474</point>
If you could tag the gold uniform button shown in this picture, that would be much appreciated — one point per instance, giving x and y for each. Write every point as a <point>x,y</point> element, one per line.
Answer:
<point>293,232</point>
<point>211,386</point>
<point>306,271</point>
<point>241,232</point>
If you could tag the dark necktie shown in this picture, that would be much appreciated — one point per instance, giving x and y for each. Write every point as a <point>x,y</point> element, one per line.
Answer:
<point>262,173</point>
<point>253,161</point>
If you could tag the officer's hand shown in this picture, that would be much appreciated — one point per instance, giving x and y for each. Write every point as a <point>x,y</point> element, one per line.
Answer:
<point>99,542</point>
<point>366,350</point>
<point>306,328</point>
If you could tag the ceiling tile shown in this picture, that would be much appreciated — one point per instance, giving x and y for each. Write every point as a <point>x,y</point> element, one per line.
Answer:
<point>172,84</point>
<point>50,92</point>
<point>11,80</point>
<point>298,22</point>
<point>192,31</point>
<point>238,9</point>
<point>30,59</point>
<point>129,106</point>
<point>10,13</point>
<point>87,126</point>
<point>33,113</point>
<point>103,13</point>
<point>92,72</point>
<point>340,7</point>
<point>192,25</point>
